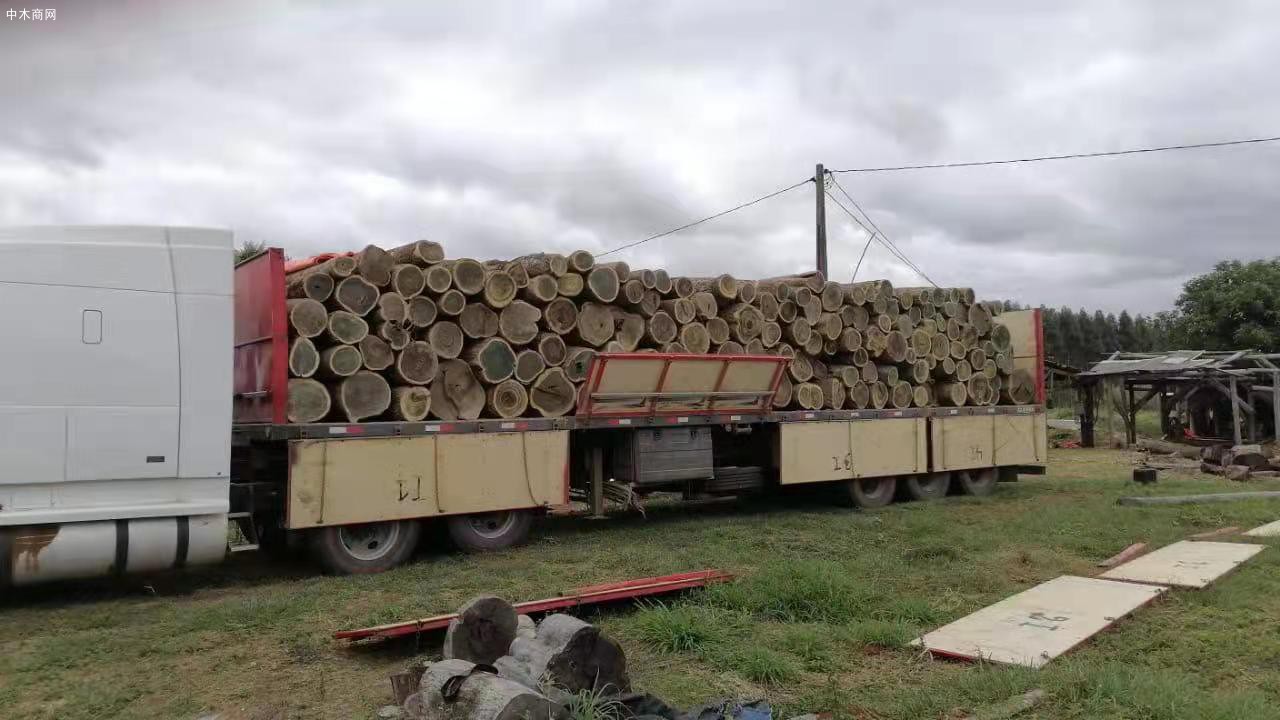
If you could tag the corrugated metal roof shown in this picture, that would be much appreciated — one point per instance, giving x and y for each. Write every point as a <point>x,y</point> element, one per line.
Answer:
<point>1171,362</point>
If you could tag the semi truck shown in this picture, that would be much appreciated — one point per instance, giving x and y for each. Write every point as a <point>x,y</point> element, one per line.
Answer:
<point>143,395</point>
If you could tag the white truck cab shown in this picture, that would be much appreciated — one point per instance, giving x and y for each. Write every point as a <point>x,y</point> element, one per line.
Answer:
<point>115,399</point>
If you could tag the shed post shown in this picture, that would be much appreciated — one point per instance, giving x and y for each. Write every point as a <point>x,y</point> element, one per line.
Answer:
<point>1087,417</point>
<point>1131,427</point>
<point>597,481</point>
<point>1235,413</point>
<point>1275,405</point>
<point>820,230</point>
<point>1164,410</point>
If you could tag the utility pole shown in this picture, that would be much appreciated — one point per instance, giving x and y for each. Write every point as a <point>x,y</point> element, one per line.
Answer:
<point>820,190</point>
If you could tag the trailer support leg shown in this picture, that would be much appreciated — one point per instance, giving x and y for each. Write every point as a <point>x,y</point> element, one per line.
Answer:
<point>597,482</point>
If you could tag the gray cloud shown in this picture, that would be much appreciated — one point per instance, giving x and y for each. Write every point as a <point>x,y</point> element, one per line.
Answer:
<point>503,127</point>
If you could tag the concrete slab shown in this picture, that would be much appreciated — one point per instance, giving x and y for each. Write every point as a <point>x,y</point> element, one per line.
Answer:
<point>1185,564</point>
<point>1271,529</point>
<point>1037,625</point>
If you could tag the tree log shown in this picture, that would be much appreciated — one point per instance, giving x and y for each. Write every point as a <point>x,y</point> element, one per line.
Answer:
<point>577,362</point>
<point>304,360</point>
<point>394,333</point>
<point>581,261</point>
<point>628,328</point>
<point>507,399</point>
<point>602,284</point>
<point>631,293</point>
<point>768,304</point>
<point>800,368</point>
<point>788,311</point>
<point>416,364</point>
<point>356,295</point>
<point>569,285</point>
<point>492,359</point>
<point>731,347</point>
<point>451,303</point>
<point>307,317</point>
<point>704,304</point>
<point>529,365</point>
<point>455,392</point>
<point>345,328</point>
<point>619,268</point>
<point>900,395</point>
<point>363,395</point>
<point>595,325</point>
<point>338,267</point>
<point>518,322</point>
<point>481,696</point>
<point>552,395</point>
<point>422,253</point>
<point>446,339</point>
<point>747,291</point>
<point>568,654</point>
<point>468,275</point>
<point>410,403</point>
<point>374,264</point>
<point>647,278</point>
<point>682,287</point>
<point>421,311</point>
<point>797,332</point>
<point>1020,388</point>
<point>544,264</point>
<point>809,396</point>
<point>723,288</point>
<point>662,282</point>
<point>499,290</point>
<point>560,316</point>
<point>770,334</point>
<point>478,321</point>
<point>695,338</point>
<point>541,289</point>
<point>859,396</point>
<point>408,280</point>
<point>782,397</point>
<point>717,330</point>
<point>681,310</point>
<point>833,392</point>
<point>438,278</point>
<point>314,286</point>
<point>308,401</point>
<point>921,396</point>
<point>660,329</point>
<point>375,353</point>
<point>391,308</point>
<point>829,326</point>
<point>552,348</point>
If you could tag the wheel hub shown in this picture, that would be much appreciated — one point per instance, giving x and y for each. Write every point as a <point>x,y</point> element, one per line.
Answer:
<point>370,541</point>
<point>492,525</point>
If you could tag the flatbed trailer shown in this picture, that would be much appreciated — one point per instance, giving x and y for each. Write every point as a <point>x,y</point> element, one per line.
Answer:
<point>652,422</point>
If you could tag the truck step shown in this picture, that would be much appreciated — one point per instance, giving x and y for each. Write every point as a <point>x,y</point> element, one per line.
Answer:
<point>242,547</point>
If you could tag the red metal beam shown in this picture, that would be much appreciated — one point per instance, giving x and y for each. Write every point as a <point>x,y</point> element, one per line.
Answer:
<point>590,595</point>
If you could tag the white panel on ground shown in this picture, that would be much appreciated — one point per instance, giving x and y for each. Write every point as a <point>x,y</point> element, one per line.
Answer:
<point>1037,625</point>
<point>1271,529</point>
<point>1185,564</point>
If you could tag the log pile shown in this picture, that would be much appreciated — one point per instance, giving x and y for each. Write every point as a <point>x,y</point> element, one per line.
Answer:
<point>408,334</point>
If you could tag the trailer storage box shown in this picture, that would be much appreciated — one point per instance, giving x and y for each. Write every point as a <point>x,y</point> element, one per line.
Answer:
<point>662,455</point>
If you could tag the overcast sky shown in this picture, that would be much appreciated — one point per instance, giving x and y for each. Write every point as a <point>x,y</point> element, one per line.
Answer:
<point>499,128</point>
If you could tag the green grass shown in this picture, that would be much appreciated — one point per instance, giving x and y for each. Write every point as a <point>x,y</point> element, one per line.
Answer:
<point>820,621</point>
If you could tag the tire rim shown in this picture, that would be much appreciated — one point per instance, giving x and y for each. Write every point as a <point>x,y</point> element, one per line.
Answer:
<point>492,525</point>
<point>873,489</point>
<point>371,541</point>
<point>936,484</point>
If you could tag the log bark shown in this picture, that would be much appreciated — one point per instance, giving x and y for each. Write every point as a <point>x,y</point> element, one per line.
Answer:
<point>602,284</point>
<point>422,253</point>
<point>552,395</point>
<point>421,312</point>
<point>446,339</point>
<point>493,360</point>
<point>345,328</point>
<point>416,364</point>
<point>560,316</point>
<point>309,401</point>
<point>499,290</point>
<point>315,286</point>
<point>451,303</point>
<point>517,323</point>
<point>552,348</point>
<point>304,359</point>
<point>544,264</point>
<point>478,321</point>
<point>542,289</point>
<point>374,265</point>
<point>529,365</point>
<point>363,395</point>
<point>408,280</point>
<point>568,654</point>
<point>307,317</point>
<point>456,394</point>
<point>481,696</point>
<point>507,399</point>
<point>391,308</point>
<point>438,278</point>
<point>646,278</point>
<point>376,353</point>
<point>594,327</point>
<point>569,285</point>
<point>410,403</point>
<point>723,288</point>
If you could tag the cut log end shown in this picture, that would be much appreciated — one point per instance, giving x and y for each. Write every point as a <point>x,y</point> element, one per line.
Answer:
<point>309,401</point>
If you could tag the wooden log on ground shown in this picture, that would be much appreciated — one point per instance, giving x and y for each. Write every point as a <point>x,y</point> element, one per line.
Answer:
<point>681,310</point>
<point>468,275</point>
<point>391,308</point>
<point>595,325</point>
<point>374,264</point>
<point>499,290</point>
<point>307,317</point>
<point>570,285</point>
<point>628,328</point>
<point>456,394</point>
<point>451,303</point>
<point>529,365</point>
<point>1199,499</point>
<point>313,286</point>
<point>408,281</point>
<point>363,395</point>
<point>1168,448</point>
<point>410,403</point>
<point>438,278</point>
<point>480,696</point>
<point>304,359</point>
<point>420,311</point>
<point>375,353</point>
<point>568,654</point>
<point>493,360</point>
<point>551,347</point>
<point>446,339</point>
<point>479,321</point>
<point>1250,456</point>
<point>416,364</point>
<point>560,316</point>
<point>518,322</point>
<point>552,395</point>
<point>355,295</point>
<point>602,284</point>
<point>345,328</point>
<point>421,253</point>
<point>541,290</point>
<point>309,401</point>
<point>507,399</point>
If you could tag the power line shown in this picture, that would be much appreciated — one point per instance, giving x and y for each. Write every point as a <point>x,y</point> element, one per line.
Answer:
<point>1072,156</point>
<point>709,217</point>
<point>891,246</point>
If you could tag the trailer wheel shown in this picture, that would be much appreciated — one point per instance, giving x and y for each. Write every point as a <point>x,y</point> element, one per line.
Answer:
<point>490,531</point>
<point>365,548</point>
<point>979,482</point>
<point>871,492</point>
<point>930,486</point>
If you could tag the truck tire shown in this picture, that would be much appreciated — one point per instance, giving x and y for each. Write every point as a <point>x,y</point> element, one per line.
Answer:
<point>366,548</point>
<point>869,493</point>
<point>482,532</point>
<point>929,486</point>
<point>978,482</point>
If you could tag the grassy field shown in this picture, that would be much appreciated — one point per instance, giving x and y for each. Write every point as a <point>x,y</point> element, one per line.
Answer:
<point>820,621</point>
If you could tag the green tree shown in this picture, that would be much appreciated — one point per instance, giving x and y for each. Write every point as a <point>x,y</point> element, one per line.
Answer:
<point>1110,333</point>
<point>1127,333</point>
<point>1236,306</point>
<point>1090,344</point>
<point>249,249</point>
<point>1144,334</point>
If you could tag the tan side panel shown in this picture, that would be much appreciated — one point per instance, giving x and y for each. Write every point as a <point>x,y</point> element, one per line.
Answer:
<point>814,452</point>
<point>1019,439</point>
<point>963,442</point>
<point>339,482</point>
<point>889,447</point>
<point>1022,330</point>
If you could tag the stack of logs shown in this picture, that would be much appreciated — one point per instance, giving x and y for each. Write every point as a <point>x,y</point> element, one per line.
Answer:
<point>404,334</point>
